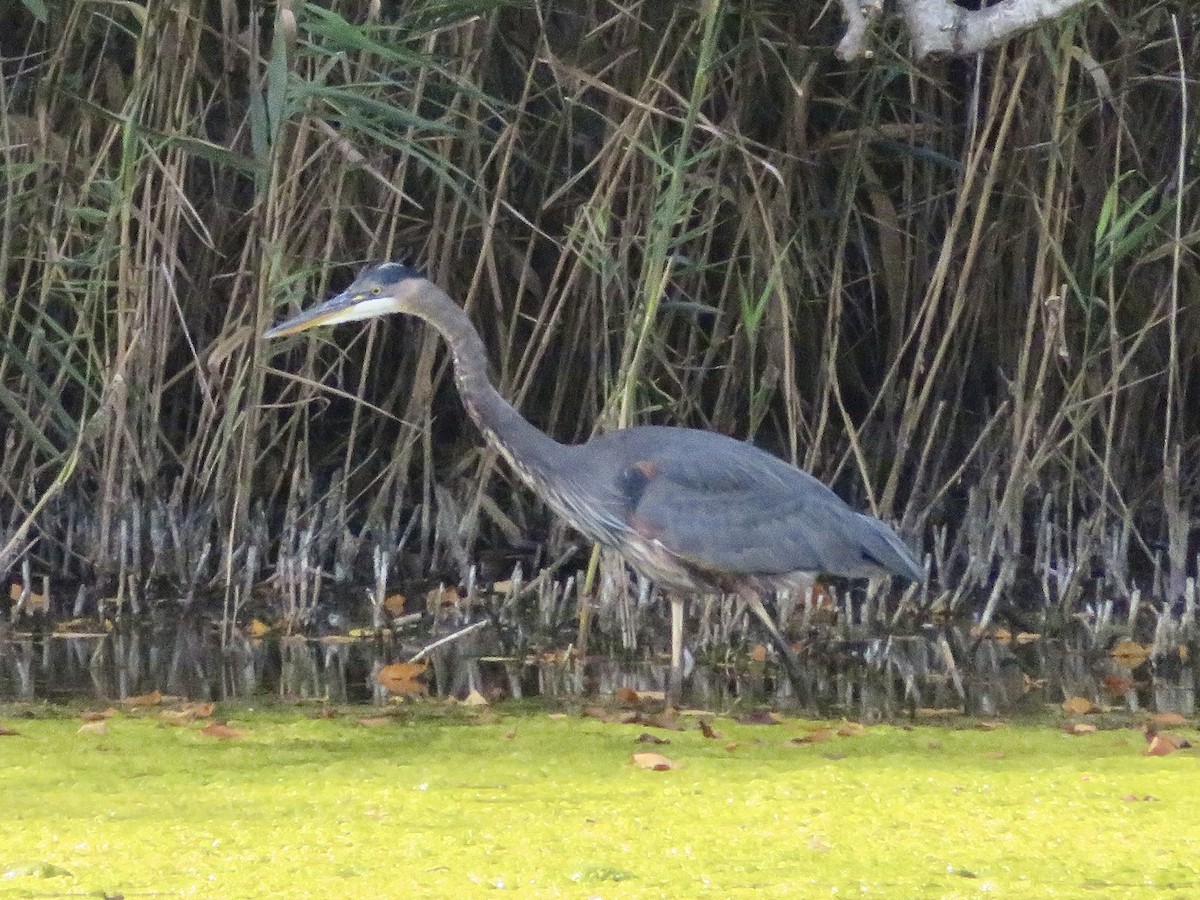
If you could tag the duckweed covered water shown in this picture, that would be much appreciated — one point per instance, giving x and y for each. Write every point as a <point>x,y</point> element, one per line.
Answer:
<point>462,804</point>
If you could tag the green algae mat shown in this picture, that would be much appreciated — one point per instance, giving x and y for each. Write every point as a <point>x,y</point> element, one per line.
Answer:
<point>430,801</point>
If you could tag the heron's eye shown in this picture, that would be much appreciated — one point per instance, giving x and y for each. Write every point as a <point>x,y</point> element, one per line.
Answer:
<point>377,289</point>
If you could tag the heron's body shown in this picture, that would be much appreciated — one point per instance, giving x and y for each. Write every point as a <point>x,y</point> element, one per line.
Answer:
<point>695,511</point>
<point>701,512</point>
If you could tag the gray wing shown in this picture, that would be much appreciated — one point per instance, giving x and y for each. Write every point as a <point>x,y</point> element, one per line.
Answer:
<point>725,506</point>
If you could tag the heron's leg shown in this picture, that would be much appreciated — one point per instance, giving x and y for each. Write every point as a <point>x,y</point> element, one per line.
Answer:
<point>790,664</point>
<point>675,680</point>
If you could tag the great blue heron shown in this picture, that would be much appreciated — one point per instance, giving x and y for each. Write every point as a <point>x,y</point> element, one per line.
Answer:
<point>696,512</point>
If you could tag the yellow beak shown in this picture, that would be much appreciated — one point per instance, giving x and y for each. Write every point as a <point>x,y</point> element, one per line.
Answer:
<point>334,310</point>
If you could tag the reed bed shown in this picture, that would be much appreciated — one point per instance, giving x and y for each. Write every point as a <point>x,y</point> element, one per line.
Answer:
<point>961,293</point>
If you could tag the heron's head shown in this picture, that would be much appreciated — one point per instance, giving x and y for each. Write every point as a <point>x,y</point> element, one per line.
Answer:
<point>378,290</point>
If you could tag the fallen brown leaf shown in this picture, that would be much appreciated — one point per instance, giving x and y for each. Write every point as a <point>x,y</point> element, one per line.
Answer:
<point>1079,706</point>
<point>394,604</point>
<point>222,731</point>
<point>151,699</point>
<point>436,598</point>
<point>510,734</point>
<point>1162,743</point>
<point>400,678</point>
<point>258,628</point>
<point>1130,654</point>
<point>100,727</point>
<point>374,721</point>
<point>995,754</point>
<point>34,602</point>
<point>759,653</point>
<point>188,712</point>
<point>992,725</point>
<point>5,731</point>
<point>98,715</point>
<point>1117,685</point>
<point>851,729</point>
<point>654,761</point>
<point>1078,728</point>
<point>626,695</point>
<point>359,634</point>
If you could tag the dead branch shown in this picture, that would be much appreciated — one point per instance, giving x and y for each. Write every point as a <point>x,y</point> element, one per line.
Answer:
<point>941,27</point>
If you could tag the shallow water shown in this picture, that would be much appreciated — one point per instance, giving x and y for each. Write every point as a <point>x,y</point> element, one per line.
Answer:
<point>870,678</point>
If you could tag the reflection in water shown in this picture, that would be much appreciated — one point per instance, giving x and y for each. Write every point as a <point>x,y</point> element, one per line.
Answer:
<point>869,679</point>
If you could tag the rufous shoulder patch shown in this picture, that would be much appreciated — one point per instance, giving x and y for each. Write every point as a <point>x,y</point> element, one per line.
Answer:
<point>647,467</point>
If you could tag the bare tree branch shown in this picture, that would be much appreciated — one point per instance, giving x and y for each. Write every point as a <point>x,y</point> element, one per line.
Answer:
<point>941,27</point>
<point>856,13</point>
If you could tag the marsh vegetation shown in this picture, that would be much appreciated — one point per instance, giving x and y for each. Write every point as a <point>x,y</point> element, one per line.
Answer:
<point>960,293</point>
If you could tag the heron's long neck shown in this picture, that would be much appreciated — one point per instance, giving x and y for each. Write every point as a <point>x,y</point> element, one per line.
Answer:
<point>533,454</point>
